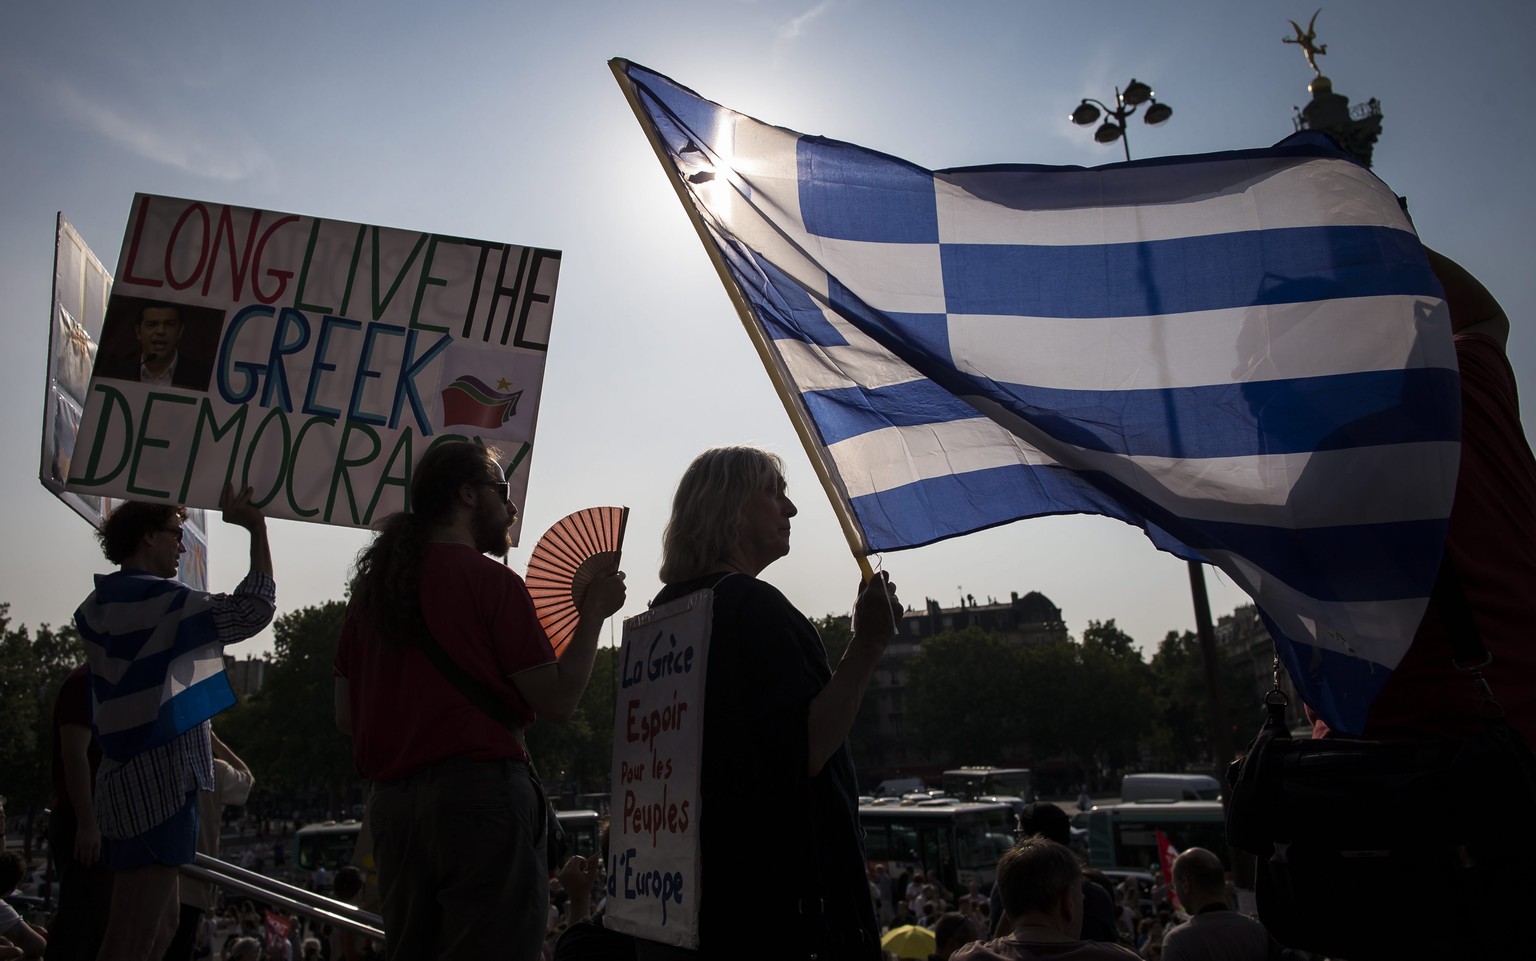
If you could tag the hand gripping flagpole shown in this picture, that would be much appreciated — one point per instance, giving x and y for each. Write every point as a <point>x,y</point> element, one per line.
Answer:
<point>787,397</point>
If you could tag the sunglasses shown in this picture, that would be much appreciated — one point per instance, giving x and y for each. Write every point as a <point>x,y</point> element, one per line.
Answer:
<point>175,532</point>
<point>502,488</point>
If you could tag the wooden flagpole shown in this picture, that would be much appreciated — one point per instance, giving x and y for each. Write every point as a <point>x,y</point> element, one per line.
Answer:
<point>787,396</point>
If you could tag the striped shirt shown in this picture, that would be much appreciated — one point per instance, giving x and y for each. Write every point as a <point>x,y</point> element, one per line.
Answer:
<point>153,726</point>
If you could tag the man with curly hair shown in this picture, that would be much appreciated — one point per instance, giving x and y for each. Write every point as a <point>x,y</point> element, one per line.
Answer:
<point>156,654</point>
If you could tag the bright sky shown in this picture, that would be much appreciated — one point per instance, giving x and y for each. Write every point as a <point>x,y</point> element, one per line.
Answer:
<point>502,121</point>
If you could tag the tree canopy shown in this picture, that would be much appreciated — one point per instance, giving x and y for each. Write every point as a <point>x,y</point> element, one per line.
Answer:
<point>980,697</point>
<point>963,694</point>
<point>1090,707</point>
<point>575,758</point>
<point>287,731</point>
<point>1182,738</point>
<point>32,666</point>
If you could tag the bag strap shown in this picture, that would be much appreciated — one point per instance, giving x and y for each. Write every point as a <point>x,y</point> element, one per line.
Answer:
<point>478,693</point>
<point>1468,653</point>
<point>474,690</point>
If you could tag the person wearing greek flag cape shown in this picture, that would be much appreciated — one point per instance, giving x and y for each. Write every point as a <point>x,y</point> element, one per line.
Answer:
<point>156,653</point>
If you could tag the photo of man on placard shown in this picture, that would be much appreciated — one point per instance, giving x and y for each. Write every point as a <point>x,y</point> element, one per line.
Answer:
<point>155,342</point>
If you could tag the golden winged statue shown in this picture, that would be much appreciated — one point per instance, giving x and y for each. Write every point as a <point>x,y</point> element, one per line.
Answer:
<point>1305,39</point>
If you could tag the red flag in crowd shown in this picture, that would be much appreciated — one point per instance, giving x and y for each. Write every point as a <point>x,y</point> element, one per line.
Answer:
<point>1166,852</point>
<point>277,928</point>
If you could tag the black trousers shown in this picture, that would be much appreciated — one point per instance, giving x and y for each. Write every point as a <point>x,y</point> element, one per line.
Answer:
<point>85,897</point>
<point>186,933</point>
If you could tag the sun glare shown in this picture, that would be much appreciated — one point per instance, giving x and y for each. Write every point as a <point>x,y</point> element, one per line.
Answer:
<point>714,177</point>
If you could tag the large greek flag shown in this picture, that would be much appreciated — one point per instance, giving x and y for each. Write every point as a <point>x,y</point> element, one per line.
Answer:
<point>1245,354</point>
<point>157,667</point>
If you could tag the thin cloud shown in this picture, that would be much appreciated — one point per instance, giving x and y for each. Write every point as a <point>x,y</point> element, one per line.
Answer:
<point>227,155</point>
<point>796,27</point>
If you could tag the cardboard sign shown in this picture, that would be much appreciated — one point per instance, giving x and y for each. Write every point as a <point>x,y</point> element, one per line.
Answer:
<point>313,360</point>
<point>81,286</point>
<point>658,742</point>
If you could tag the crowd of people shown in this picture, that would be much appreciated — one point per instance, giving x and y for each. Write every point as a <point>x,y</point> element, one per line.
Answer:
<point>442,664</point>
<point>1153,923</point>
<point>1045,904</point>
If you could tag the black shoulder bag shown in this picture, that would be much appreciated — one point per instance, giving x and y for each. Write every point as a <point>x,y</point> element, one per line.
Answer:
<point>1423,848</point>
<point>481,696</point>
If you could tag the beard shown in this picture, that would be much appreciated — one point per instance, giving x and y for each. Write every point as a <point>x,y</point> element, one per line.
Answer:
<point>493,535</point>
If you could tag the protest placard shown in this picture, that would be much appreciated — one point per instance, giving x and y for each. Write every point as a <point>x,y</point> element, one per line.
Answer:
<point>81,286</point>
<point>658,741</point>
<point>314,360</point>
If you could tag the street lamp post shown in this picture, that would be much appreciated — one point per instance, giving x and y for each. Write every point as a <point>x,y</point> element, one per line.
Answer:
<point>1088,111</point>
<point>1127,102</point>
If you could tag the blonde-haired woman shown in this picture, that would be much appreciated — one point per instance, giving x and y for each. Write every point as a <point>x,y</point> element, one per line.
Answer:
<point>776,719</point>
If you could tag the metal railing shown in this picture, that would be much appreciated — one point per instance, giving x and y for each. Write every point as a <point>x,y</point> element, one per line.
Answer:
<point>287,896</point>
<point>1357,112</point>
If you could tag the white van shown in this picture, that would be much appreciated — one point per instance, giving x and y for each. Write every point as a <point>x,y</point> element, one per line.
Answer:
<point>897,786</point>
<point>1169,787</point>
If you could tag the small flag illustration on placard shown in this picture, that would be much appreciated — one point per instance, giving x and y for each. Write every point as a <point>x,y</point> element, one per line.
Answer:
<point>469,400</point>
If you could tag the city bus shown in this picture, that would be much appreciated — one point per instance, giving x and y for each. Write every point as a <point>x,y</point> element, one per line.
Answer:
<point>971,783</point>
<point>1123,837</point>
<point>581,833</point>
<point>328,843</point>
<point>333,843</point>
<point>962,840</point>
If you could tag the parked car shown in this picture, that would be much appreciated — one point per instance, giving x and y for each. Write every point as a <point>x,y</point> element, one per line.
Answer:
<point>897,786</point>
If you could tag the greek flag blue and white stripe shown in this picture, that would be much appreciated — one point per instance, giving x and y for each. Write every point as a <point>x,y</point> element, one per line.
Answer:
<point>157,666</point>
<point>1245,354</point>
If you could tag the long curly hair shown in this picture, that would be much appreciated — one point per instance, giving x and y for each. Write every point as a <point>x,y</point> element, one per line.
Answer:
<point>386,577</point>
<point>706,510</point>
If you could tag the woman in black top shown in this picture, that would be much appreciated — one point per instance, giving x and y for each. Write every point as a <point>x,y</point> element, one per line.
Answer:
<point>776,777</point>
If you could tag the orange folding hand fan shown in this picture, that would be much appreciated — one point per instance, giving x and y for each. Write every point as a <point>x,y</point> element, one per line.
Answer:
<point>566,560</point>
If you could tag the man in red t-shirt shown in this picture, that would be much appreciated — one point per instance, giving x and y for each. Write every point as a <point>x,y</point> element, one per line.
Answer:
<point>456,821</point>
